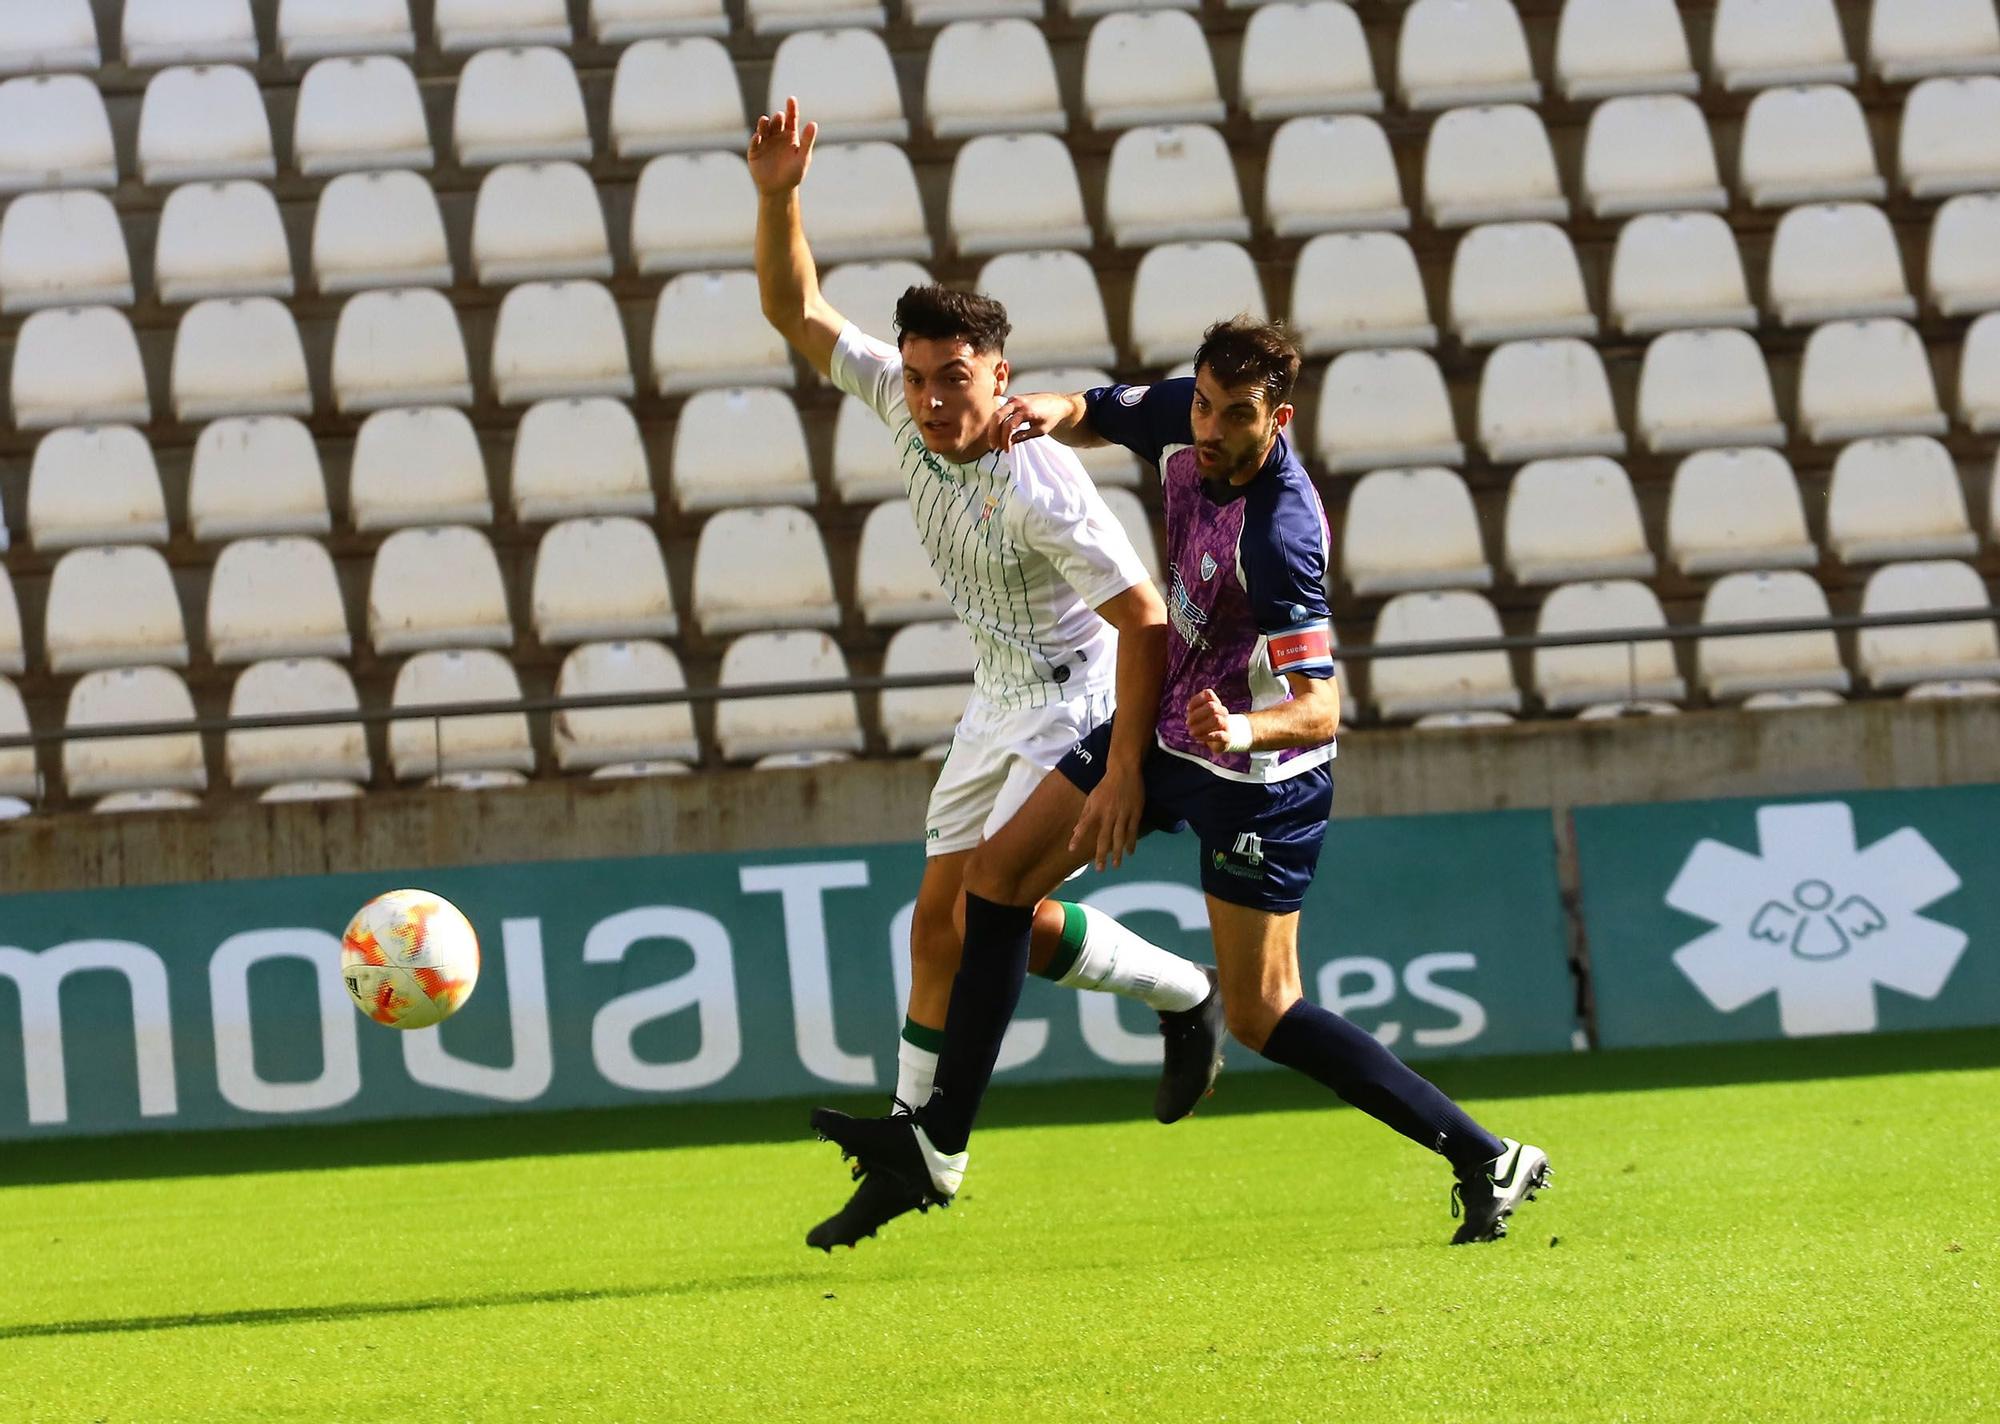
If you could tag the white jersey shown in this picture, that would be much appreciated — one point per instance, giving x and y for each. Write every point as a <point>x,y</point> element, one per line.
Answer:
<point>1022,541</point>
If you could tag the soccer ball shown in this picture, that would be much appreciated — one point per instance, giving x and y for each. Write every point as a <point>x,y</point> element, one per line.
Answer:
<point>409,959</point>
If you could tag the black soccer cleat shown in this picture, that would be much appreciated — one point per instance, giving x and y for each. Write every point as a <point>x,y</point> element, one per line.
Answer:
<point>1194,1054</point>
<point>1489,1196</point>
<point>894,1147</point>
<point>878,1199</point>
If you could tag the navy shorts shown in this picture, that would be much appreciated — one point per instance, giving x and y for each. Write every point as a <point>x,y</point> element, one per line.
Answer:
<point>1259,840</point>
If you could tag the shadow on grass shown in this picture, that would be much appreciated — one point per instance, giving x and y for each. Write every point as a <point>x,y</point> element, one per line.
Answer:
<point>284,1149</point>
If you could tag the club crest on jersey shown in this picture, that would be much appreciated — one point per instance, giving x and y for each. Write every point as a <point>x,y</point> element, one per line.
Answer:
<point>992,503</point>
<point>1207,567</point>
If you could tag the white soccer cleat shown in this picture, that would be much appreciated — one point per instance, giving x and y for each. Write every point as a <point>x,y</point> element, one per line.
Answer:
<point>1489,1197</point>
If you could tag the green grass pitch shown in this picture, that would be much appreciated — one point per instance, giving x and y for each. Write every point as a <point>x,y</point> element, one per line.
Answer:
<point>1791,1231</point>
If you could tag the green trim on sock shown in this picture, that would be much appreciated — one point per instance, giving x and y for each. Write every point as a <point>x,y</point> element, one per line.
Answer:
<point>931,1040</point>
<point>1071,949</point>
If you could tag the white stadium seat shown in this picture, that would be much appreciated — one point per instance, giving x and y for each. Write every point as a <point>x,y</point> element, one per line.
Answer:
<point>917,717</point>
<point>844,80</point>
<point>317,29</point>
<point>1491,165</point>
<point>201,122</point>
<point>436,587</point>
<point>1737,509</point>
<point>991,77</point>
<point>618,21</point>
<point>893,579</point>
<point>580,456</point>
<point>221,240</point>
<point>13,655</point>
<point>462,25</point>
<point>1451,52</point>
<point>1381,408</point>
<point>590,738</point>
<point>256,475</point>
<point>518,105</point>
<point>694,211</point>
<point>1407,687</point>
<point>1650,153</point>
<point>709,330</point>
<point>867,292</point>
<point>1924,652</point>
<point>1622,710</point>
<point>49,36</point>
<point>1057,311</point>
<point>1963,268</point>
<point>1149,67</point>
<point>1179,289</point>
<point>1833,261</point>
<point>865,464</point>
<point>18,777</point>
<point>1806,146</point>
<point>159,32</point>
<point>1539,399</point>
<point>1579,675</point>
<point>1867,378</point>
<point>861,202</point>
<point>399,347</point>
<point>1949,141</point>
<point>1013,192</point>
<point>54,133</point>
<point>288,687</point>
<point>1605,48</point>
<point>1733,667</point>
<point>1138,526</point>
<point>132,696</point>
<point>127,802</point>
<point>1897,498</point>
<point>670,95</point>
<point>95,484</point>
<point>417,465</point>
<point>1513,281</point>
<point>78,366</point>
<point>1305,58</point>
<point>630,770</point>
<point>63,249</point>
<point>490,741</point>
<point>1913,39</point>
<point>379,229</point>
<point>1706,388</point>
<point>239,356</point>
<point>777,17</point>
<point>1678,270</point>
<point>538,222</point>
<point>556,339</point>
<point>1083,9</point>
<point>1332,173</point>
<point>1353,289</point>
<point>113,607</point>
<point>275,598</point>
<point>1979,376</point>
<point>1954,687</point>
<point>1574,519</point>
<point>1761,44</point>
<point>740,445</point>
<point>360,113</point>
<point>762,568</point>
<point>747,727</point>
<point>484,780</point>
<point>1173,183</point>
<point>601,577</point>
<point>1410,529</point>
<point>945,12</point>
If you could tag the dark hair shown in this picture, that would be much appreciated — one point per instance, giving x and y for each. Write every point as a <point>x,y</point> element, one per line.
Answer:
<point>1243,351</point>
<point>936,313</point>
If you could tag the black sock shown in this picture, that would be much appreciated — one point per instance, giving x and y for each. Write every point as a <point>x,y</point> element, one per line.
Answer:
<point>1330,1050</point>
<point>991,972</point>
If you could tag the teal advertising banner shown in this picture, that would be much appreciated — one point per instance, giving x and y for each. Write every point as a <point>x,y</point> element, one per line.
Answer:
<point>1714,921</point>
<point>705,976</point>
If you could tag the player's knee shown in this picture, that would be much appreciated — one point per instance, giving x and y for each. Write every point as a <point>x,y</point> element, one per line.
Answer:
<point>1251,1018</point>
<point>989,876</point>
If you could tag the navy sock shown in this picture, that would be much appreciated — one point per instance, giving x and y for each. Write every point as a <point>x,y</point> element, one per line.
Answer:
<point>991,972</point>
<point>1330,1050</point>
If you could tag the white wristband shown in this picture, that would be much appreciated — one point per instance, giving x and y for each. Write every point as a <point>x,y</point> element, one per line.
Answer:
<point>1236,733</point>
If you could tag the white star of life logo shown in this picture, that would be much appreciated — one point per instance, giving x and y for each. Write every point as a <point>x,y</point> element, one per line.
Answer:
<point>1816,920</point>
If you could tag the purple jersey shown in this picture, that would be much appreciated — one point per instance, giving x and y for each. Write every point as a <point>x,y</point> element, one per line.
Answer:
<point>1246,594</point>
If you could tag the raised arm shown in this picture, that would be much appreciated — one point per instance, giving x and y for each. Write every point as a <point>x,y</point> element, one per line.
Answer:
<point>1064,419</point>
<point>780,152</point>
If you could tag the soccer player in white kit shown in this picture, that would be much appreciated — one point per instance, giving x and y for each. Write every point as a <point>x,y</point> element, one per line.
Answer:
<point>1046,581</point>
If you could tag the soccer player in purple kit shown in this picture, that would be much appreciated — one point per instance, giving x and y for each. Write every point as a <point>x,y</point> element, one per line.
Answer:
<point>1242,755</point>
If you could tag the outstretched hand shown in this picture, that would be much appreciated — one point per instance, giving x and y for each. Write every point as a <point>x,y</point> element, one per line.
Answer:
<point>781,150</point>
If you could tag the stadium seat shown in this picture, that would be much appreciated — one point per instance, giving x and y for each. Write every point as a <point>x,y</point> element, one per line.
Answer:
<point>78,366</point>
<point>1013,192</point>
<point>1867,378</point>
<point>519,105</point>
<point>1577,676</point>
<point>1954,687</point>
<point>63,249</point>
<point>865,464</point>
<point>694,211</point>
<point>1452,52</point>
<point>631,770</point>
<point>587,739</point>
<point>1179,289</point>
<point>1514,281</point>
<point>844,80</point>
<point>861,202</point>
<point>436,587</point>
<point>49,36</point>
<point>992,76</point>
<point>1084,9</point>
<point>275,598</point>
<point>1574,519</point>
<point>1950,138</point>
<point>1649,153</point>
<point>1706,388</point>
<point>360,113</point>
<point>867,292</point>
<point>557,339</point>
<point>1411,529</point>
<point>1925,652</point>
<point>538,222</point>
<point>580,456</point>
<point>1173,183</point>
<point>762,568</point>
<point>1737,509</point>
<point>128,802</point>
<point>1605,48</point>
<point>113,607</point>
<point>18,777</point>
<point>1734,667</point>
<point>1834,261</point>
<point>893,580</point>
<point>777,17</point>
<point>256,475</point>
<point>221,240</point>
<point>749,727</point>
<point>1332,173</point>
<point>1897,498</point>
<point>399,347</point>
<point>709,330</point>
<point>380,229</point>
<point>276,756</point>
<point>1149,67</point>
<point>1107,465</point>
<point>417,465</point>
<point>204,122</point>
<point>917,717</point>
<point>161,32</point>
<point>1461,721</point>
<point>1678,270</point>
<point>615,22</point>
<point>601,577</point>
<point>946,12</point>
<point>1138,526</point>
<point>1385,408</point>
<point>1761,44</point>
<point>1625,711</point>
<point>1540,399</point>
<point>1491,165</point>
<point>1978,376</point>
<point>740,446</point>
<point>486,780</point>
<point>1057,312</point>
<point>490,741</point>
<point>1354,289</point>
<point>130,696</point>
<point>671,95</point>
<point>239,356</point>
<point>54,133</point>
<point>95,484</point>
<point>460,26</point>
<point>1914,39</point>
<point>1407,687</point>
<point>1806,146</point>
<point>1305,58</point>
<point>318,29</point>
<point>13,654</point>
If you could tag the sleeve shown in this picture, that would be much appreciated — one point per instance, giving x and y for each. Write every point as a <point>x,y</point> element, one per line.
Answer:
<point>1283,561</point>
<point>1067,522</point>
<point>869,369</point>
<point>1144,419</point>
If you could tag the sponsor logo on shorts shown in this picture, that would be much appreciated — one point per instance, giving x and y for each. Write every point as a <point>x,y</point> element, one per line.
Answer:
<point>1245,859</point>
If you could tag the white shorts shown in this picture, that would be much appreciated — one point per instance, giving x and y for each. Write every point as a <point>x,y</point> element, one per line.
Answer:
<point>996,759</point>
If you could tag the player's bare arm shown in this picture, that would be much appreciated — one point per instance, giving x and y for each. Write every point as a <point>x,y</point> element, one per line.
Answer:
<point>1309,719</point>
<point>780,152</point>
<point>1108,829</point>
<point>1065,419</point>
